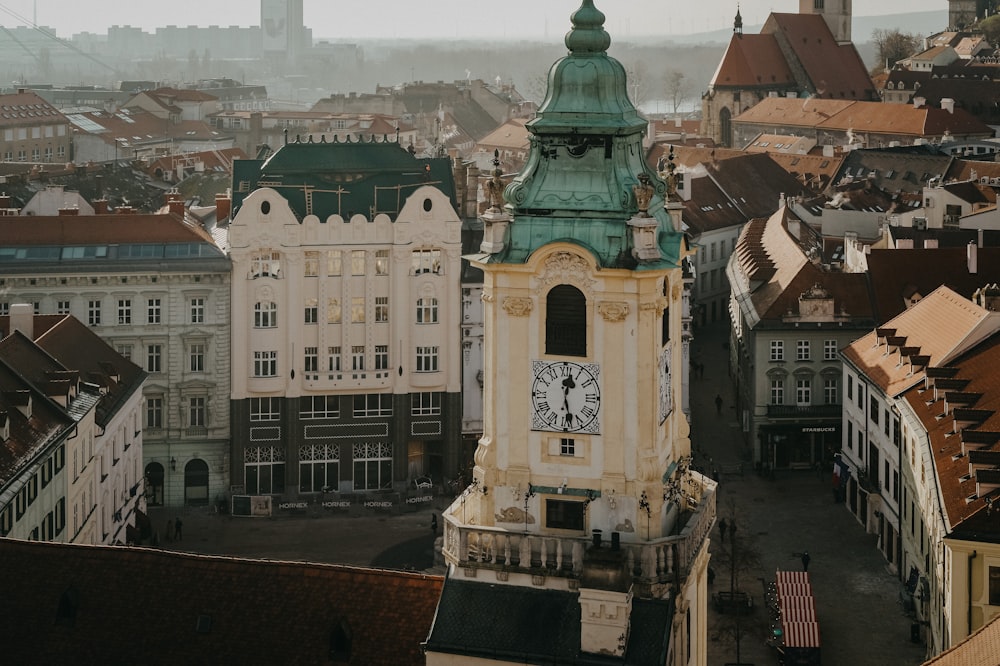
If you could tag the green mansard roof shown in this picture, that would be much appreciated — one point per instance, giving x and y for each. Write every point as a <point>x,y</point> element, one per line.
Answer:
<point>586,156</point>
<point>367,177</point>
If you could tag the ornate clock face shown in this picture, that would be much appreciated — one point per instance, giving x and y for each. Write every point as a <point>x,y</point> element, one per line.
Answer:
<point>565,397</point>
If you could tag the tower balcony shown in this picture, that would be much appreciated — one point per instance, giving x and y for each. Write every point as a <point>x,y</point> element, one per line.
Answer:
<point>653,563</point>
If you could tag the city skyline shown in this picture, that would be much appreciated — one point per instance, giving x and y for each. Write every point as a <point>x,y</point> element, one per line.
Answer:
<point>451,18</point>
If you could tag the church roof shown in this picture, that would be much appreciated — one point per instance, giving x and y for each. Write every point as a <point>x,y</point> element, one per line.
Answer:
<point>751,61</point>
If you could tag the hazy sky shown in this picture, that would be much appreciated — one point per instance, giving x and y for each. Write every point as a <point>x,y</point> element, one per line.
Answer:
<point>351,19</point>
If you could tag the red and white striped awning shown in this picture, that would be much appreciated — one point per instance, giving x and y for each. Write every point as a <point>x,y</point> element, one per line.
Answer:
<point>798,614</point>
<point>805,603</point>
<point>800,634</point>
<point>791,577</point>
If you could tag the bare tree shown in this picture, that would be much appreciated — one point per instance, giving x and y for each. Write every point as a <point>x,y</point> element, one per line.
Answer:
<point>990,28</point>
<point>892,46</point>
<point>638,83</point>
<point>678,88</point>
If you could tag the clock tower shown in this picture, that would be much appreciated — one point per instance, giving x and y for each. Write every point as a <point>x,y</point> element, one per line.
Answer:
<point>582,494</point>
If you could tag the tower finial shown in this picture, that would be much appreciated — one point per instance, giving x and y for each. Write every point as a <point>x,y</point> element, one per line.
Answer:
<point>738,22</point>
<point>588,34</point>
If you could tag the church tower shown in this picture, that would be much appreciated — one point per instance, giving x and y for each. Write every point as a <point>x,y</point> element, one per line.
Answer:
<point>837,14</point>
<point>584,521</point>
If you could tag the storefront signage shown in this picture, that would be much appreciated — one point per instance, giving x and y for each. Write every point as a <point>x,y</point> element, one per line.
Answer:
<point>418,500</point>
<point>338,504</point>
<point>373,504</point>
<point>827,429</point>
<point>293,505</point>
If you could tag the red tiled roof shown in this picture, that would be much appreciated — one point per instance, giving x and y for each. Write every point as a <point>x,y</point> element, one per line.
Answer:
<point>27,108</point>
<point>96,604</point>
<point>753,60</point>
<point>99,229</point>
<point>836,71</point>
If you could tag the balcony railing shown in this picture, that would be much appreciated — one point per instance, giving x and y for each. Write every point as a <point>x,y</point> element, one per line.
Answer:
<point>650,562</point>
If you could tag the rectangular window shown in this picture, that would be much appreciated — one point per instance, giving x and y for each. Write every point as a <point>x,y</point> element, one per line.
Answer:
<point>381,357</point>
<point>567,447</point>
<point>850,436</point>
<point>372,404</point>
<point>319,407</point>
<point>154,413</point>
<point>334,262</point>
<point>803,392</point>
<point>265,263</point>
<point>197,357</point>
<point>427,359</point>
<point>777,350</point>
<point>319,468</point>
<point>712,251</point>
<point>311,361</point>
<point>62,307</point>
<point>333,354</point>
<point>358,357</point>
<point>312,311</point>
<point>829,350</point>
<point>154,354</point>
<point>358,309</point>
<point>802,350</point>
<point>94,313</point>
<point>265,364</point>
<point>357,262</point>
<point>564,515</point>
<point>425,404</point>
<point>427,311</point>
<point>311,264</point>
<point>777,391</point>
<point>264,470</point>
<point>124,350</point>
<point>830,396</point>
<point>60,516</point>
<point>873,409</point>
<point>153,311</point>
<point>850,387</point>
<point>265,314</point>
<point>198,310</point>
<point>994,586</point>
<point>381,309</point>
<point>425,261</point>
<point>265,409</point>
<point>196,412</point>
<point>372,466</point>
<point>333,311</point>
<point>381,262</point>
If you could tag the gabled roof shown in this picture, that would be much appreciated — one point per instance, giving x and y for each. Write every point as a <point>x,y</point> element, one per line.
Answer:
<point>813,172</point>
<point>93,603</point>
<point>27,108</point>
<point>979,649</point>
<point>512,134</point>
<point>836,71</point>
<point>709,209</point>
<point>941,326</point>
<point>751,61</point>
<point>68,230</point>
<point>755,183</point>
<point>904,168</point>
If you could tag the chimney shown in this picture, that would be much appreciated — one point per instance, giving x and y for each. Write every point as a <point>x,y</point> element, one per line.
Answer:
<point>22,318</point>
<point>223,207</point>
<point>100,207</point>
<point>174,203</point>
<point>71,211</point>
<point>948,104</point>
<point>919,102</point>
<point>972,257</point>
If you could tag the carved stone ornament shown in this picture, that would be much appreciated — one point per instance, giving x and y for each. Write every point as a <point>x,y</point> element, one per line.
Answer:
<point>563,267</point>
<point>613,311</point>
<point>517,307</point>
<point>265,293</point>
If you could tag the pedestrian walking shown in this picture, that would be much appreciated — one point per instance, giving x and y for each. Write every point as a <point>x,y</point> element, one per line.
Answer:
<point>718,403</point>
<point>715,475</point>
<point>805,560</point>
<point>170,530</point>
<point>434,524</point>
<point>178,535</point>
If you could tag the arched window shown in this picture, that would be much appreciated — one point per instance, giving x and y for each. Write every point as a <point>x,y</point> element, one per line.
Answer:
<point>726,127</point>
<point>196,482</point>
<point>566,321</point>
<point>265,315</point>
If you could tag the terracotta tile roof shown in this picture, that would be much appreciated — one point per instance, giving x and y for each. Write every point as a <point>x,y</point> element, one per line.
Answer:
<point>689,156</point>
<point>978,428</point>
<point>512,134</point>
<point>814,172</point>
<point>751,61</point>
<point>755,183</point>
<point>99,229</point>
<point>895,275</point>
<point>940,326</point>
<point>136,127</point>
<point>898,169</point>
<point>27,108</point>
<point>979,649</point>
<point>93,604</point>
<point>709,208</point>
<point>971,170</point>
<point>182,95</point>
<point>863,117</point>
<point>836,71</point>
<point>213,160</point>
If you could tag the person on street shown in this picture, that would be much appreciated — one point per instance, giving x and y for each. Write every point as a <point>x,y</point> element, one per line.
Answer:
<point>805,560</point>
<point>718,403</point>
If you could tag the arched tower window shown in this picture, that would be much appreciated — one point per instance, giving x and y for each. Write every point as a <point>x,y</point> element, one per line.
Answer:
<point>566,321</point>
<point>726,127</point>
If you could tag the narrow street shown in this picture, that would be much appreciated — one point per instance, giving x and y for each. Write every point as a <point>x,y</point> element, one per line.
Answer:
<point>862,621</point>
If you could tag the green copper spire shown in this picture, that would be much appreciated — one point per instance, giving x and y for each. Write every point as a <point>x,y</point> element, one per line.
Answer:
<point>586,176</point>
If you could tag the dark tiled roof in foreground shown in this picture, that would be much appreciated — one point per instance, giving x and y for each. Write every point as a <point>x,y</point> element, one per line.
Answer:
<point>111,605</point>
<point>536,626</point>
